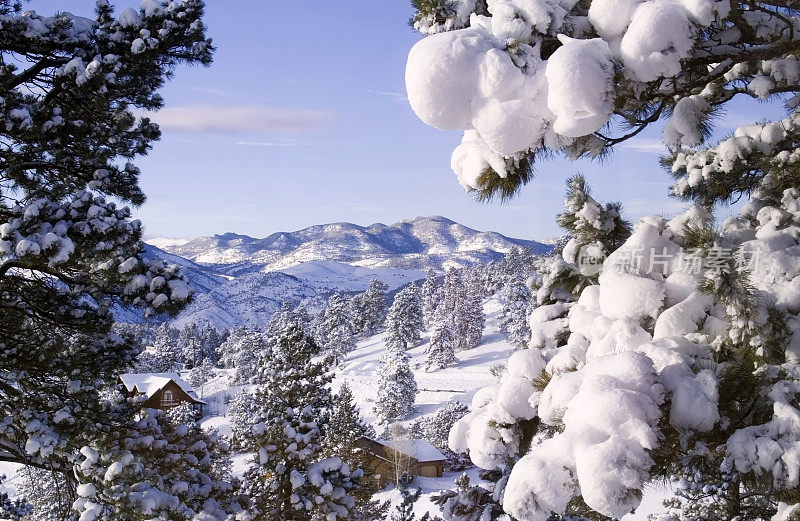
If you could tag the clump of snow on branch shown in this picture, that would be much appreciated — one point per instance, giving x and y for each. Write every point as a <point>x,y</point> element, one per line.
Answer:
<point>641,354</point>
<point>518,76</point>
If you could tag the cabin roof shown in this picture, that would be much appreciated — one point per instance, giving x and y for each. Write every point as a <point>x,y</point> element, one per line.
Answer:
<point>149,384</point>
<point>420,450</point>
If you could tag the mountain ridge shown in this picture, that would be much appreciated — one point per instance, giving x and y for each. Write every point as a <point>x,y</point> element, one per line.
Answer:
<point>375,245</point>
<point>242,280</point>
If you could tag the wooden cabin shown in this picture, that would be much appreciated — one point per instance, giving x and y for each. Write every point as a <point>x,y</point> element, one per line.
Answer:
<point>161,390</point>
<point>415,457</point>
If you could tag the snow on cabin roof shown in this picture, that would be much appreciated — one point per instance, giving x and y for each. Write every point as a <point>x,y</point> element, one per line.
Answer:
<point>150,383</point>
<point>420,450</point>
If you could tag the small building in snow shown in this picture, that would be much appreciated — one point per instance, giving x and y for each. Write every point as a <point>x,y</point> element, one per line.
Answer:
<point>161,390</point>
<point>391,458</point>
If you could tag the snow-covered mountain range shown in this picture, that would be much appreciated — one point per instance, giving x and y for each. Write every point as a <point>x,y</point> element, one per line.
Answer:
<point>241,280</point>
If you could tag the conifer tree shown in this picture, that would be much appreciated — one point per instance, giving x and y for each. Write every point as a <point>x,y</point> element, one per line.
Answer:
<point>336,329</point>
<point>397,388</point>
<point>242,415</point>
<point>290,478</point>
<point>404,322</point>
<point>183,414</point>
<point>344,432</point>
<point>461,306</point>
<point>404,511</point>
<point>13,509</point>
<point>436,430</point>
<point>514,315</point>
<point>49,495</point>
<point>200,375</point>
<point>155,468</point>
<point>707,354</point>
<point>595,232</point>
<point>71,91</point>
<point>191,344</point>
<point>241,351</point>
<point>430,297</point>
<point>468,320</point>
<point>166,353</point>
<point>441,353</point>
<point>287,316</point>
<point>468,502</point>
<point>369,308</point>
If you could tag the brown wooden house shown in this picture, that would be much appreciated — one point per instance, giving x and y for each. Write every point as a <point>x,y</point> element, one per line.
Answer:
<point>161,390</point>
<point>415,457</point>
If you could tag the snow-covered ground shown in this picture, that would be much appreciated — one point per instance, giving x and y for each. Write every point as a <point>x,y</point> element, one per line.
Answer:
<point>360,370</point>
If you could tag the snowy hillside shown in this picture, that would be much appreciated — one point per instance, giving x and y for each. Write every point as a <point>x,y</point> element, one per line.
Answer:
<point>360,370</point>
<point>240,280</point>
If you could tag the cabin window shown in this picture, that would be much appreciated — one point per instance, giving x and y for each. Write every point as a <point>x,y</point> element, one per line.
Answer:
<point>167,399</point>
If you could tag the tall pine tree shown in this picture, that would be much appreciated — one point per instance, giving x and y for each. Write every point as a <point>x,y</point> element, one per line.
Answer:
<point>73,89</point>
<point>336,329</point>
<point>397,389</point>
<point>290,477</point>
<point>404,323</point>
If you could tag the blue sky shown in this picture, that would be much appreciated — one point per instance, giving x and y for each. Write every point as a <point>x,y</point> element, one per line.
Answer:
<point>302,120</point>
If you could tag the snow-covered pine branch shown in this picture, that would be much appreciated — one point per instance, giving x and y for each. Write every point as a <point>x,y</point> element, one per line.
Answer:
<point>523,79</point>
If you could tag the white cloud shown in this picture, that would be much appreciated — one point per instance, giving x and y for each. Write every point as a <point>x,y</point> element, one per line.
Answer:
<point>394,96</point>
<point>647,146</point>
<point>240,119</point>
<point>259,143</point>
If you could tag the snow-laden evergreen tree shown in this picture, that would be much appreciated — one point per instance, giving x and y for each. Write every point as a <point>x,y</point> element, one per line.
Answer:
<point>441,353</point>
<point>462,307</point>
<point>345,428</point>
<point>404,322</point>
<point>468,319</point>
<point>517,263</point>
<point>241,351</point>
<point>211,339</point>
<point>152,468</point>
<point>73,89</point>
<point>288,315</point>
<point>687,342</point>
<point>696,336</point>
<point>369,308</point>
<point>290,477</point>
<point>183,414</point>
<point>404,511</point>
<point>436,430</point>
<point>468,502</point>
<point>335,331</point>
<point>397,389</point>
<point>191,344</point>
<point>492,279</point>
<point>595,232</point>
<point>574,67</point>
<point>167,355</point>
<point>200,375</point>
<point>430,297</point>
<point>514,315</point>
<point>198,343</point>
<point>343,435</point>
<point>242,415</point>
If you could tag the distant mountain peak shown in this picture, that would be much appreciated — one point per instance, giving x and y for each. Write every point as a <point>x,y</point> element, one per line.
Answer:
<point>241,280</point>
<point>431,218</point>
